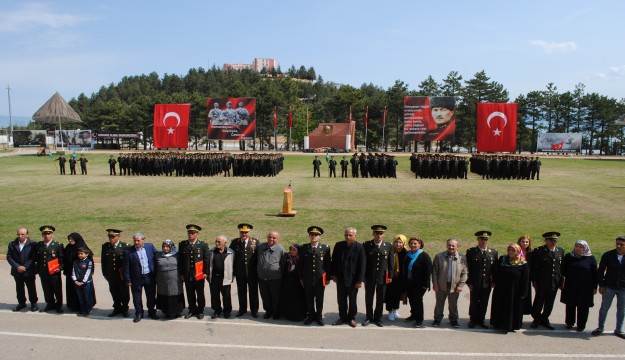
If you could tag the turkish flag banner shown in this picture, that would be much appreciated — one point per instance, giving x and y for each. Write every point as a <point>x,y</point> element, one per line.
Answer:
<point>496,127</point>
<point>171,125</point>
<point>290,119</point>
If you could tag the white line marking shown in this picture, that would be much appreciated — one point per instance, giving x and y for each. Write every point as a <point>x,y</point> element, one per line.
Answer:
<point>320,350</point>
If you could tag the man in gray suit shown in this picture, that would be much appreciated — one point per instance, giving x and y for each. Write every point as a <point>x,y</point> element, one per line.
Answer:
<point>449,275</point>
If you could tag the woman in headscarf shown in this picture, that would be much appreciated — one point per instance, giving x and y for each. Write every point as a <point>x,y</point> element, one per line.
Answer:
<point>395,289</point>
<point>292,300</point>
<point>525,242</point>
<point>579,284</point>
<point>417,271</point>
<point>512,281</point>
<point>70,254</point>
<point>169,296</point>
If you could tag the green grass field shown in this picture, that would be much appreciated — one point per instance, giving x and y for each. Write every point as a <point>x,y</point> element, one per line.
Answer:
<point>581,198</point>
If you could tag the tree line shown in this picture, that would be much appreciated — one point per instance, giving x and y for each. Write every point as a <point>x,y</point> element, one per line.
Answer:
<point>128,106</point>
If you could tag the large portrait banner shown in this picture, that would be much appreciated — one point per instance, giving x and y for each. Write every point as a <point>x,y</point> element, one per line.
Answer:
<point>231,118</point>
<point>429,118</point>
<point>73,138</point>
<point>559,141</point>
<point>29,138</point>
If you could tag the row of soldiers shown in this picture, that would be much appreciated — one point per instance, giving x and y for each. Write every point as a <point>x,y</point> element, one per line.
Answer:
<point>508,167</point>
<point>371,165</point>
<point>182,164</point>
<point>437,166</point>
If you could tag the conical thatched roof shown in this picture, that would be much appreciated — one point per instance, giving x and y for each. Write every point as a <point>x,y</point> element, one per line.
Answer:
<point>56,110</point>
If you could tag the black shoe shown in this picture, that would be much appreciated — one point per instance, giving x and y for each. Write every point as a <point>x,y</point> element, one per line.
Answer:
<point>215,314</point>
<point>255,314</point>
<point>569,327</point>
<point>471,324</point>
<point>547,325</point>
<point>308,320</point>
<point>534,324</point>
<point>125,313</point>
<point>59,310</point>
<point>47,308</point>
<point>276,317</point>
<point>320,322</point>
<point>227,315</point>
<point>137,318</point>
<point>267,315</point>
<point>338,322</point>
<point>366,322</point>
<point>410,318</point>
<point>419,325</point>
<point>115,312</point>
<point>580,329</point>
<point>596,332</point>
<point>240,313</point>
<point>189,315</point>
<point>153,316</point>
<point>352,323</point>
<point>200,316</point>
<point>378,323</point>
<point>34,307</point>
<point>620,334</point>
<point>19,307</point>
<point>454,324</point>
<point>436,323</point>
<point>483,325</point>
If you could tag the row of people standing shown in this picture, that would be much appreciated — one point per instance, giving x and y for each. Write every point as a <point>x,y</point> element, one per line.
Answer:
<point>73,160</point>
<point>439,166</point>
<point>508,167</point>
<point>366,166</point>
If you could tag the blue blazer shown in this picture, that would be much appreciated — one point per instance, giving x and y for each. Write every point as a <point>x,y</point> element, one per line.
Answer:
<point>26,257</point>
<point>132,265</point>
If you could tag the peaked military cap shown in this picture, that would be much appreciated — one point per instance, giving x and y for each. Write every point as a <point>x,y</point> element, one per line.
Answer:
<point>315,230</point>
<point>113,232</point>
<point>193,227</point>
<point>483,234</point>
<point>380,228</point>
<point>245,227</point>
<point>47,228</point>
<point>552,235</point>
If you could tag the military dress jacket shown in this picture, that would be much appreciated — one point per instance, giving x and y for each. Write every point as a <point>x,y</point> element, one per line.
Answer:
<point>245,257</point>
<point>379,263</point>
<point>480,266</point>
<point>112,260</point>
<point>546,267</point>
<point>45,254</point>
<point>189,254</point>
<point>315,264</point>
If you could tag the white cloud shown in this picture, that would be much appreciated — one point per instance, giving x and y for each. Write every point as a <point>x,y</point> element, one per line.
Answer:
<point>36,15</point>
<point>554,47</point>
<point>617,70</point>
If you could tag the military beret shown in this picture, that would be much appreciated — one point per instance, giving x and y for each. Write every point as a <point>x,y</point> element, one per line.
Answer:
<point>193,227</point>
<point>552,235</point>
<point>315,230</point>
<point>245,227</point>
<point>47,228</point>
<point>483,234</point>
<point>380,228</point>
<point>113,232</point>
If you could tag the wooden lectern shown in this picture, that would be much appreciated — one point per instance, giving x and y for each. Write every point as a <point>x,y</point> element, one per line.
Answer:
<point>287,203</point>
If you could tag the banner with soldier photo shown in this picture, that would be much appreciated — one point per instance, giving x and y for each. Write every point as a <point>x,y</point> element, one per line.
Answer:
<point>231,118</point>
<point>559,142</point>
<point>26,138</point>
<point>73,138</point>
<point>429,118</point>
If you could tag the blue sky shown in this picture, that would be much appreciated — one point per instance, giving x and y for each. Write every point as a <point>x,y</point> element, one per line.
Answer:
<point>75,46</point>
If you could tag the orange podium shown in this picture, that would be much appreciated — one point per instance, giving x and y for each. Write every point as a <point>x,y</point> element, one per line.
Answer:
<point>287,203</point>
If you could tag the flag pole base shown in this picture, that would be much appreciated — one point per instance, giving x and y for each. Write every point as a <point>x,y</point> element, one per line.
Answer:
<point>287,214</point>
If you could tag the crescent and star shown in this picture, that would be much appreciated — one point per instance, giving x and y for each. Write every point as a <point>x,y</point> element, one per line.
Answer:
<point>170,130</point>
<point>495,114</point>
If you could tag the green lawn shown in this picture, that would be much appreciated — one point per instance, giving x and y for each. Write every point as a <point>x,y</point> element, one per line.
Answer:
<point>581,198</point>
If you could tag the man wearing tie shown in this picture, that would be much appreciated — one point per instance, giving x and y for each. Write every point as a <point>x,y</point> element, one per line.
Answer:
<point>245,269</point>
<point>21,257</point>
<point>139,274</point>
<point>480,260</point>
<point>545,275</point>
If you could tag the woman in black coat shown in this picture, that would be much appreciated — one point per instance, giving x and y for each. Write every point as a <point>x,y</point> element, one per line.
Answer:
<point>70,254</point>
<point>395,289</point>
<point>579,273</point>
<point>417,278</point>
<point>292,300</point>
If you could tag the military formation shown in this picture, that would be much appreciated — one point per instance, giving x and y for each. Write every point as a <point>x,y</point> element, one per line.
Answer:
<point>439,166</point>
<point>371,165</point>
<point>292,283</point>
<point>506,167</point>
<point>181,164</point>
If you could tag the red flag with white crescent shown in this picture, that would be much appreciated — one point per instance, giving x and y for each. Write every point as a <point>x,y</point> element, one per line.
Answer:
<point>496,127</point>
<point>557,146</point>
<point>275,117</point>
<point>350,113</point>
<point>171,125</point>
<point>384,117</point>
<point>290,119</point>
<point>366,116</point>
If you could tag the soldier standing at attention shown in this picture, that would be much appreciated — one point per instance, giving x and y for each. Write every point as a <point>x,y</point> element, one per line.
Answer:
<point>354,162</point>
<point>545,275</point>
<point>49,267</point>
<point>316,167</point>
<point>245,269</point>
<point>332,165</point>
<point>315,273</point>
<point>193,264</point>
<point>344,165</point>
<point>112,163</point>
<point>379,272</point>
<point>112,266</point>
<point>480,260</point>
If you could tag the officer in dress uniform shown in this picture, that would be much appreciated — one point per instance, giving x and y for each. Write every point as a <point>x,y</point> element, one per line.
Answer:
<point>480,260</point>
<point>245,271</point>
<point>379,271</point>
<point>314,274</point>
<point>193,265</point>
<point>49,267</point>
<point>545,275</point>
<point>112,267</point>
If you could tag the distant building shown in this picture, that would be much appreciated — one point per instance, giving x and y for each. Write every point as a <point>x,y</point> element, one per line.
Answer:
<point>257,65</point>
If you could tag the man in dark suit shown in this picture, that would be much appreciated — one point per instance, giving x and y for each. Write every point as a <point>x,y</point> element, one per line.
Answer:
<point>49,260</point>
<point>245,269</point>
<point>348,272</point>
<point>193,264</point>
<point>112,263</point>
<point>316,166</point>
<point>545,275</point>
<point>480,260</point>
<point>21,257</point>
<point>378,273</point>
<point>314,274</point>
<point>139,274</point>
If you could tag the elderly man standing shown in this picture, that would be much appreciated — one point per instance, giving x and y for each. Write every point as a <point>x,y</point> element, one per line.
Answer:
<point>271,261</point>
<point>245,264</point>
<point>221,277</point>
<point>611,280</point>
<point>21,257</point>
<point>139,274</point>
<point>194,263</point>
<point>348,272</point>
<point>449,275</point>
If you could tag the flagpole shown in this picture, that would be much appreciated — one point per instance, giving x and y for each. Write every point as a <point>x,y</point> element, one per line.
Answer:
<point>366,125</point>
<point>383,127</point>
